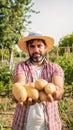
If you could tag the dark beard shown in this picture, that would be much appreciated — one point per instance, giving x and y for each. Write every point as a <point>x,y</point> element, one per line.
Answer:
<point>32,59</point>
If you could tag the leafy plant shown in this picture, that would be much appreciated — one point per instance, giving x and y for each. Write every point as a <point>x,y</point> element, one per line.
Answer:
<point>64,105</point>
<point>67,65</point>
<point>69,120</point>
<point>3,106</point>
<point>72,90</point>
<point>6,81</point>
<point>1,125</point>
<point>1,86</point>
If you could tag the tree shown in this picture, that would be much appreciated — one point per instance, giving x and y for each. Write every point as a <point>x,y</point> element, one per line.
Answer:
<point>14,19</point>
<point>66,41</point>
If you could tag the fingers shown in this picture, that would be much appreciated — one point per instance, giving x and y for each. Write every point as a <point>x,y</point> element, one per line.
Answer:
<point>14,99</point>
<point>21,104</point>
<point>30,101</point>
<point>54,96</point>
<point>50,98</point>
<point>43,103</point>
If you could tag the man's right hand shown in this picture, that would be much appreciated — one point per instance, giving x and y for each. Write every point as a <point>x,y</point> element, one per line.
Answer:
<point>14,99</point>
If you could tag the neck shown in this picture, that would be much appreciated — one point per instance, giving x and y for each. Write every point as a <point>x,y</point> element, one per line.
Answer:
<point>37,63</point>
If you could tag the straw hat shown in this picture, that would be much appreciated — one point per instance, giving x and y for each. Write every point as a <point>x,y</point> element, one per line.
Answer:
<point>48,40</point>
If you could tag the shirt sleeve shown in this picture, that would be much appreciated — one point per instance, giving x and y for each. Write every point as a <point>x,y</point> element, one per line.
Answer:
<point>19,69</point>
<point>57,70</point>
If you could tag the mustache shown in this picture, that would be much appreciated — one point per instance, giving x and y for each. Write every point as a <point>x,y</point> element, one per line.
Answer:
<point>36,53</point>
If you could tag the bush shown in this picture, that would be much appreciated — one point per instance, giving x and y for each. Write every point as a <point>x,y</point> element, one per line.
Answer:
<point>67,65</point>
<point>5,81</point>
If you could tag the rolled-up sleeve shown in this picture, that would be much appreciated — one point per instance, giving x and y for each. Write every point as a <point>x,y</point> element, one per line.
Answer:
<point>57,70</point>
<point>19,69</point>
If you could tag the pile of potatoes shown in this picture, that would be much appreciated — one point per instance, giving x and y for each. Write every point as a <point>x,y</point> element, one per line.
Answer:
<point>35,90</point>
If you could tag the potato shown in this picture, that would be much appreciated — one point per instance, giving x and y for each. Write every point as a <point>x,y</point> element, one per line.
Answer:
<point>31,84</point>
<point>40,84</point>
<point>50,88</point>
<point>19,92</point>
<point>31,92</point>
<point>43,96</point>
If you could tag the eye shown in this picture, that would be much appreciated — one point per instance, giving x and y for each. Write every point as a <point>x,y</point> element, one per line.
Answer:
<point>32,46</point>
<point>39,46</point>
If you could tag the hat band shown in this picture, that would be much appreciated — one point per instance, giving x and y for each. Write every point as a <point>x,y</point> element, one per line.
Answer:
<point>35,34</point>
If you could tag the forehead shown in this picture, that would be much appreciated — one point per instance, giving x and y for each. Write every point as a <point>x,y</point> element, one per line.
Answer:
<point>33,40</point>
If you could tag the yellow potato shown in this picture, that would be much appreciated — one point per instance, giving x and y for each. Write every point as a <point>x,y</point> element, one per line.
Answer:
<point>50,88</point>
<point>40,84</point>
<point>19,92</point>
<point>31,84</point>
<point>43,96</point>
<point>32,92</point>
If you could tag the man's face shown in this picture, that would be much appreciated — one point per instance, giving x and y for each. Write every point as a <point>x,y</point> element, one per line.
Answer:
<point>36,49</point>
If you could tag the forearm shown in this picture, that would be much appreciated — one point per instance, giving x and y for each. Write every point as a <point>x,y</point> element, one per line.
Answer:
<point>58,93</point>
<point>58,81</point>
<point>20,78</point>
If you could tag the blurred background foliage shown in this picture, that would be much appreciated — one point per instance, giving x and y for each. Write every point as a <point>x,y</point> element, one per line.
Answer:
<point>15,17</point>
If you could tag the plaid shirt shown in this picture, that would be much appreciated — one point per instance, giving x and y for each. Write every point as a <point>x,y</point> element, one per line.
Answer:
<point>51,110</point>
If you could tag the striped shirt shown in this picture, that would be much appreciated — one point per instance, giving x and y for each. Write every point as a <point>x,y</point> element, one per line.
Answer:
<point>51,110</point>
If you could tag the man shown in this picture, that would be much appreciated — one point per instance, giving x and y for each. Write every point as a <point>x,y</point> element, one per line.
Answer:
<point>38,116</point>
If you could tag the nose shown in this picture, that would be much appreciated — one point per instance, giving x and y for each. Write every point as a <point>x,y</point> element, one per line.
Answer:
<point>36,49</point>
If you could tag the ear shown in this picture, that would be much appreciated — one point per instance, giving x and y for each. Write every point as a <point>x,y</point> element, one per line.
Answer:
<point>46,49</point>
<point>27,48</point>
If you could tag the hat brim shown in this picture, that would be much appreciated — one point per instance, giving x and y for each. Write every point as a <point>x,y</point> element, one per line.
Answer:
<point>48,40</point>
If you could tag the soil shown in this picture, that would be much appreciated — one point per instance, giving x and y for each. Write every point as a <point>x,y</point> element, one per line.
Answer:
<point>67,116</point>
<point>6,113</point>
<point>7,108</point>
